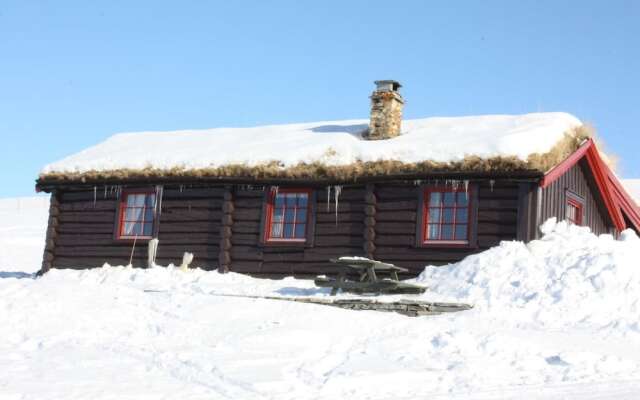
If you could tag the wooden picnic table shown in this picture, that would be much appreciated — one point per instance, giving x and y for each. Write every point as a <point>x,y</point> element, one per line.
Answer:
<point>369,282</point>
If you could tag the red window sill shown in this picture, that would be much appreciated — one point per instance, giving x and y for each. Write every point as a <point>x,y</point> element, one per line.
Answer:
<point>449,243</point>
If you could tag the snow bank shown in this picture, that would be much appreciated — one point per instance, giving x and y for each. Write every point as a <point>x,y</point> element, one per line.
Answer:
<point>331,143</point>
<point>568,277</point>
<point>23,222</point>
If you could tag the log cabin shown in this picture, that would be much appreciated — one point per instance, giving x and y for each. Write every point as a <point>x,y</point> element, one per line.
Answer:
<point>282,200</point>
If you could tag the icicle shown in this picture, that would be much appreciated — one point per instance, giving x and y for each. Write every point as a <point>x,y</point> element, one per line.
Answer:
<point>181,188</point>
<point>336,195</point>
<point>491,183</point>
<point>466,186</point>
<point>105,191</point>
<point>159,196</point>
<point>328,198</point>
<point>95,196</point>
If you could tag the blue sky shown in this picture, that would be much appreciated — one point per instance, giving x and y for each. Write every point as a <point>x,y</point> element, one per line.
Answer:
<point>73,73</point>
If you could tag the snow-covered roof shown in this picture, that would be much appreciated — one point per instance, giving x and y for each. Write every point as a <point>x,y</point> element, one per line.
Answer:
<point>334,143</point>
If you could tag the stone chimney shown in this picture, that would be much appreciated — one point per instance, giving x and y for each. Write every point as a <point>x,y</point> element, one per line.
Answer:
<point>386,111</point>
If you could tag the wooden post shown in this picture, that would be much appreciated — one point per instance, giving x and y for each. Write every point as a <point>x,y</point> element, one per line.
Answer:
<point>52,233</point>
<point>369,221</point>
<point>226,231</point>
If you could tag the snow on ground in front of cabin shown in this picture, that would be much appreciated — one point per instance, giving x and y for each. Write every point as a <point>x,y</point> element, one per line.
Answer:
<point>330,143</point>
<point>557,318</point>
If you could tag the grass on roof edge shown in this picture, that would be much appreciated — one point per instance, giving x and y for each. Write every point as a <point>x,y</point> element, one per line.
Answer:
<point>359,169</point>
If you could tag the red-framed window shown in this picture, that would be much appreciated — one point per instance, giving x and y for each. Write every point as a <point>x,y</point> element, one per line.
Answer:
<point>446,216</point>
<point>574,210</point>
<point>287,215</point>
<point>137,215</point>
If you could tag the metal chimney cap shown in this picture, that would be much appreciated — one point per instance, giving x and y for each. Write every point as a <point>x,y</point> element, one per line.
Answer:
<point>388,85</point>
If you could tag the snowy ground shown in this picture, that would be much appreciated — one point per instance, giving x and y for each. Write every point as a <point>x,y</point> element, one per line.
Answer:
<point>558,318</point>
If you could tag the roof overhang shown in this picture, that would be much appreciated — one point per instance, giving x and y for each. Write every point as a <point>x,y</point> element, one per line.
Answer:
<point>617,201</point>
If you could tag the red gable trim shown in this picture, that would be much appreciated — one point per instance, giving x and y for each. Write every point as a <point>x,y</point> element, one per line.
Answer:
<point>616,199</point>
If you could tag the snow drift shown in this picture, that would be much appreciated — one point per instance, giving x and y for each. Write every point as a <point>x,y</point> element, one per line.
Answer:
<point>570,276</point>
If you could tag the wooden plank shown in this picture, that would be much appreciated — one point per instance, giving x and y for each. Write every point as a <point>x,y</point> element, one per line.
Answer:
<point>124,250</point>
<point>189,192</point>
<point>246,227</point>
<point>247,214</point>
<point>192,203</point>
<point>394,193</point>
<point>498,204</point>
<point>500,216</point>
<point>86,228</point>
<point>211,226</point>
<point>249,203</point>
<point>342,217</point>
<point>498,229</point>
<point>245,239</point>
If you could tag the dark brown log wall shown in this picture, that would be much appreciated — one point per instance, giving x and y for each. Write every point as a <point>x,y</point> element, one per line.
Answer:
<point>190,221</point>
<point>579,180</point>
<point>222,226</point>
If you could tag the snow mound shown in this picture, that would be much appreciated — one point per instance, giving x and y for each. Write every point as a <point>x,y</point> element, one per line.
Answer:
<point>332,143</point>
<point>569,276</point>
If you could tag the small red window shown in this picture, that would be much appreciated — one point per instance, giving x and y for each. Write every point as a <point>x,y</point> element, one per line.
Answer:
<point>287,215</point>
<point>446,215</point>
<point>574,211</point>
<point>137,215</point>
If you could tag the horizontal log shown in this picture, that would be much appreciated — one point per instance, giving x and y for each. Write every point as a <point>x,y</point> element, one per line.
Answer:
<point>252,227</point>
<point>339,240</point>
<point>487,241</point>
<point>179,215</point>
<point>502,216</point>
<point>284,257</point>
<point>124,250</point>
<point>396,216</point>
<point>247,214</point>
<point>85,228</point>
<point>341,217</point>
<point>343,228</point>
<point>246,253</point>
<point>99,205</point>
<point>386,228</point>
<point>211,226</point>
<point>188,192</point>
<point>87,195</point>
<point>250,203</point>
<point>248,194</point>
<point>395,240</point>
<point>192,203</point>
<point>498,192</point>
<point>87,216</point>
<point>398,205</point>
<point>344,206</point>
<point>497,229</point>
<point>239,239</point>
<point>499,204</point>
<point>325,253</point>
<point>245,266</point>
<point>387,192</point>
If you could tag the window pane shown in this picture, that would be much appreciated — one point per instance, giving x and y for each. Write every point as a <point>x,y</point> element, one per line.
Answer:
<point>301,216</point>
<point>433,231</point>
<point>288,231</point>
<point>137,200</point>
<point>289,214</point>
<point>132,228</point>
<point>276,230</point>
<point>461,232</point>
<point>434,215</point>
<point>447,215</point>
<point>133,214</point>
<point>148,215</point>
<point>291,200</point>
<point>300,231</point>
<point>449,198</point>
<point>148,230</point>
<point>302,200</point>
<point>447,232</point>
<point>434,199</point>
<point>279,200</point>
<point>277,215</point>
<point>150,200</point>
<point>462,215</point>
<point>463,199</point>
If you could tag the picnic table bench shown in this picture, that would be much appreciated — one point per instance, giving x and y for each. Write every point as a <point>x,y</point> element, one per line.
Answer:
<point>369,278</point>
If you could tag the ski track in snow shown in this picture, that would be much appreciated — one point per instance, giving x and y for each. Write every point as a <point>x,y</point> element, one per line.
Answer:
<point>537,331</point>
